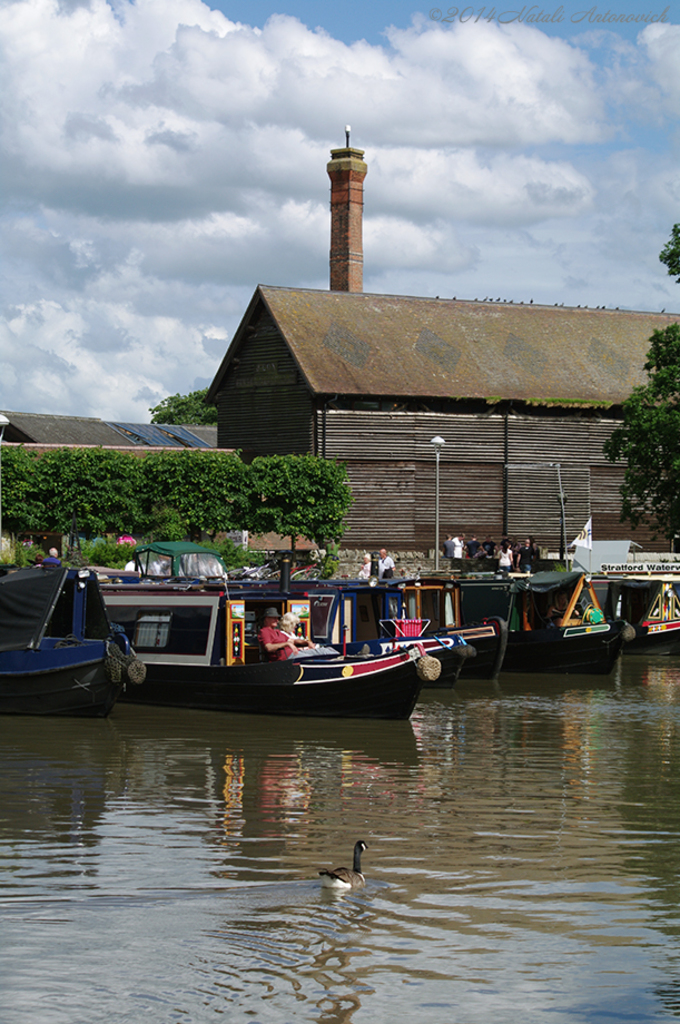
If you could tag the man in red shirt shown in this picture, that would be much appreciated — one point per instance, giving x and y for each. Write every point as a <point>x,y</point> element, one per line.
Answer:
<point>274,643</point>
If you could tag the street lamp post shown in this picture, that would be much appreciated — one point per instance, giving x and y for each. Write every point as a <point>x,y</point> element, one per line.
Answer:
<point>438,443</point>
<point>3,423</point>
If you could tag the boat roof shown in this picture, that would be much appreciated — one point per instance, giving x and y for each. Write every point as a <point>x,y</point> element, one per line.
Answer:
<point>27,600</point>
<point>544,582</point>
<point>175,547</point>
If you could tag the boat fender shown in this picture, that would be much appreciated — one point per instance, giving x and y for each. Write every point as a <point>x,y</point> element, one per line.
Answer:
<point>467,651</point>
<point>136,670</point>
<point>121,666</point>
<point>628,632</point>
<point>113,664</point>
<point>429,669</point>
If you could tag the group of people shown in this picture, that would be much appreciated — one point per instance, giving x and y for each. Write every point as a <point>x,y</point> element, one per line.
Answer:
<point>385,566</point>
<point>50,559</point>
<point>513,556</point>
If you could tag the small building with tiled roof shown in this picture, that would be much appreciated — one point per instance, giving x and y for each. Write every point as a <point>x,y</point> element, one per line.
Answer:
<point>46,429</point>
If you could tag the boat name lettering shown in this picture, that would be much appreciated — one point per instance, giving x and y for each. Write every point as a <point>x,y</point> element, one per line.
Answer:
<point>642,567</point>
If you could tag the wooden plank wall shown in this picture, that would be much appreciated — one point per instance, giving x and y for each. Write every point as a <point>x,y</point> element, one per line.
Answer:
<point>264,408</point>
<point>391,464</point>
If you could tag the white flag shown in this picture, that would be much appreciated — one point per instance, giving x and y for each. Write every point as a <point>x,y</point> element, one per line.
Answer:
<point>585,537</point>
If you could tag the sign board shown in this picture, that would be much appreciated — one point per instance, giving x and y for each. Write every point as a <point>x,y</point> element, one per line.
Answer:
<point>609,551</point>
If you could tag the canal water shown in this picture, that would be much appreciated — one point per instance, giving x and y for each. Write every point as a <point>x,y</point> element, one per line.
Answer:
<point>523,861</point>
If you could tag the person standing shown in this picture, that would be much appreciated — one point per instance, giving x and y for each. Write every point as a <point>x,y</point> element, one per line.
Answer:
<point>458,545</point>
<point>525,555</point>
<point>472,546</point>
<point>505,556</point>
<point>385,566</point>
<point>489,546</point>
<point>449,547</point>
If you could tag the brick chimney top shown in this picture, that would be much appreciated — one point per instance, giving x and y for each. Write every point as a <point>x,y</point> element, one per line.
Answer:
<point>347,171</point>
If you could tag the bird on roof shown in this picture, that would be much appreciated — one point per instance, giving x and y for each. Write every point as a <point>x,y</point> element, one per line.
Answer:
<point>343,878</point>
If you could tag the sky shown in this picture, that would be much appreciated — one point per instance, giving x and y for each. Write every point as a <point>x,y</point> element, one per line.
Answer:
<point>159,159</point>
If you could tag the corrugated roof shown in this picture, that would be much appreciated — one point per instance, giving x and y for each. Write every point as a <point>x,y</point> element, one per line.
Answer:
<point>364,344</point>
<point>46,429</point>
<point>39,428</point>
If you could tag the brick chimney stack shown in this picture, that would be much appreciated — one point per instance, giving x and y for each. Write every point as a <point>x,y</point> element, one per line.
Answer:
<point>347,171</point>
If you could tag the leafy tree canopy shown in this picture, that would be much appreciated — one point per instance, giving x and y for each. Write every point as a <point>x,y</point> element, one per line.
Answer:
<point>173,493</point>
<point>206,490</point>
<point>180,409</point>
<point>670,254</point>
<point>649,440</point>
<point>299,495</point>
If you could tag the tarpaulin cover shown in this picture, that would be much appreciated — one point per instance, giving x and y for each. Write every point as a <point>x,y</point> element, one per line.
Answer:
<point>544,582</point>
<point>27,599</point>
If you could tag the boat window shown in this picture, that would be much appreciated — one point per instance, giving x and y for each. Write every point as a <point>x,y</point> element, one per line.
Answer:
<point>322,607</point>
<point>393,607</point>
<point>367,624</point>
<point>449,613</point>
<point>411,603</point>
<point>154,564</point>
<point>198,563</point>
<point>61,621</point>
<point>96,622</point>
<point>152,629</point>
<point>430,606</point>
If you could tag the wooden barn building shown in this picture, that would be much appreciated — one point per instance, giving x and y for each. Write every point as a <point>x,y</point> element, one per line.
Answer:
<point>524,397</point>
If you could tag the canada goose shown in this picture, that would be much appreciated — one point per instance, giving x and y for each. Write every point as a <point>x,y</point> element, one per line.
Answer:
<point>343,878</point>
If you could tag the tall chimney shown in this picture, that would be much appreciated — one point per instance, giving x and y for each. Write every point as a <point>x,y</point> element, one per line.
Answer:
<point>347,171</point>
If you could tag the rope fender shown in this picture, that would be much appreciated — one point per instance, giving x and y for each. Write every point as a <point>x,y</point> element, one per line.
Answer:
<point>120,667</point>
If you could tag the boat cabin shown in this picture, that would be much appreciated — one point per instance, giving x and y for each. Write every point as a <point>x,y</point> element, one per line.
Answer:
<point>214,624</point>
<point>536,602</point>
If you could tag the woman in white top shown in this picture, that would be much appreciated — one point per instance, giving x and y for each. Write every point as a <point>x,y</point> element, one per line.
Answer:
<point>505,556</point>
<point>365,570</point>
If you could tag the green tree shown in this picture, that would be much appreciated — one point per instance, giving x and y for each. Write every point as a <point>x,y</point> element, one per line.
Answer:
<point>188,409</point>
<point>299,495</point>
<point>189,491</point>
<point>103,487</point>
<point>21,506</point>
<point>670,254</point>
<point>649,440</point>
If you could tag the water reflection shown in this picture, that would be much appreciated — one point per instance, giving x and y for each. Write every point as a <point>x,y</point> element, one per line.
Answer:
<point>523,860</point>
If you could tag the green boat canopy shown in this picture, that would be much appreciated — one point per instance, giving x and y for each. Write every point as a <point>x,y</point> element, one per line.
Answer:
<point>179,558</point>
<point>544,582</point>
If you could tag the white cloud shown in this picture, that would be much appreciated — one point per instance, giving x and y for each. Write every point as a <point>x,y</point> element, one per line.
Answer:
<point>159,160</point>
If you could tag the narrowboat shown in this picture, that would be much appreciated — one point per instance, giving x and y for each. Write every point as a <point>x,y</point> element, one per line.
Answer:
<point>378,614</point>
<point>200,646</point>
<point>438,602</point>
<point>368,616</point>
<point>361,617</point>
<point>58,653</point>
<point>650,602</point>
<point>555,622</point>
